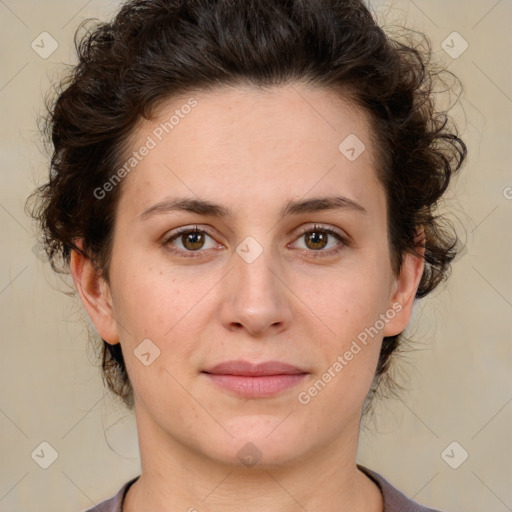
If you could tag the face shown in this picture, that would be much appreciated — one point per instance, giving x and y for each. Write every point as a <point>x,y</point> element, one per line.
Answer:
<point>269,243</point>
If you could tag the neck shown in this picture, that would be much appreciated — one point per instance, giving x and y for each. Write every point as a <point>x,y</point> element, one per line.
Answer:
<point>178,477</point>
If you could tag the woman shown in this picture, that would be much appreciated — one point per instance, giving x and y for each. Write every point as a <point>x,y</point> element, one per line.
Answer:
<point>245,194</point>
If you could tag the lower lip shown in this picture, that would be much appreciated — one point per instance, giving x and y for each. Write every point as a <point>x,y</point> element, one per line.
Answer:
<point>256,387</point>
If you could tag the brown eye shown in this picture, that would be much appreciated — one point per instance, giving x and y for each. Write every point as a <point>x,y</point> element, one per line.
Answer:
<point>316,239</point>
<point>193,240</point>
<point>190,241</point>
<point>320,241</point>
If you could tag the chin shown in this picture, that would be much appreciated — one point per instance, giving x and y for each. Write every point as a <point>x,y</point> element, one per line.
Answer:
<point>259,441</point>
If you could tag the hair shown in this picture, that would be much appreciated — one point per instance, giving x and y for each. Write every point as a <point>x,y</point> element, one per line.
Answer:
<point>155,49</point>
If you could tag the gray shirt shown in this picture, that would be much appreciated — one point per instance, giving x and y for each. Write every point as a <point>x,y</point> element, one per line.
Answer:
<point>394,500</point>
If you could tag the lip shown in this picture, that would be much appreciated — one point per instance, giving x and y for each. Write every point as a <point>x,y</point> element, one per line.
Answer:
<point>251,380</point>
<point>248,369</point>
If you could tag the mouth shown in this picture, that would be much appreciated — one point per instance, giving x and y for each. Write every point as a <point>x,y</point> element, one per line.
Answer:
<point>249,380</point>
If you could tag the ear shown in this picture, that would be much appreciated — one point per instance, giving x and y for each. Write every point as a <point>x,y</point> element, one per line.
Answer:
<point>95,294</point>
<point>405,286</point>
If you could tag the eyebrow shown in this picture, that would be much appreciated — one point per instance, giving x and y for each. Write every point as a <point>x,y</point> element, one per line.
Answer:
<point>208,208</point>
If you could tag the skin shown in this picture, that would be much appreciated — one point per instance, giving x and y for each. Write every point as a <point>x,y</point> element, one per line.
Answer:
<point>251,151</point>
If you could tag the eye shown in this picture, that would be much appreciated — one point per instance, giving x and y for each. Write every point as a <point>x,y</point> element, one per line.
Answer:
<point>316,240</point>
<point>190,240</point>
<point>321,239</point>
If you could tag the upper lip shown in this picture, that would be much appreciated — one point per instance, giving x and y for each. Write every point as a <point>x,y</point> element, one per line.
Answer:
<point>240,367</point>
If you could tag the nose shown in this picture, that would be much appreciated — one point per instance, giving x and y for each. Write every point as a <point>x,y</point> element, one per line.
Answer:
<point>255,298</point>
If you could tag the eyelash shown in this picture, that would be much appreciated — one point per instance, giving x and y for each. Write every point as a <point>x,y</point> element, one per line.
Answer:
<point>308,229</point>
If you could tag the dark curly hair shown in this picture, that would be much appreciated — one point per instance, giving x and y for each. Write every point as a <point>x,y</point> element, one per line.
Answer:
<point>155,49</point>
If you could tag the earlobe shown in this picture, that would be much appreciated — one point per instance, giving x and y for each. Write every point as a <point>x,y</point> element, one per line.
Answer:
<point>406,286</point>
<point>95,295</point>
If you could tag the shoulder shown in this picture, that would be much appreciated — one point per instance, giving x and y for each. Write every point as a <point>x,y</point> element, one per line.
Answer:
<point>114,504</point>
<point>394,500</point>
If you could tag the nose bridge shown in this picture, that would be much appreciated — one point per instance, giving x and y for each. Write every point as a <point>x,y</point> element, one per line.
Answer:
<point>254,270</point>
<point>255,296</point>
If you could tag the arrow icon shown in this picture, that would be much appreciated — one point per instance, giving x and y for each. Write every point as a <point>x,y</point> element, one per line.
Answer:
<point>351,147</point>
<point>454,455</point>
<point>44,45</point>
<point>454,45</point>
<point>146,352</point>
<point>44,455</point>
<point>249,455</point>
<point>249,249</point>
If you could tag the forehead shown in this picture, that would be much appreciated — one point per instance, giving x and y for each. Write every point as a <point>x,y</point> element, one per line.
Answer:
<point>287,139</point>
<point>231,115</point>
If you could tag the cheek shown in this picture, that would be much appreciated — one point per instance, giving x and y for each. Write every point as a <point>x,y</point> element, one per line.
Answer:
<point>349,348</point>
<point>165,321</point>
<point>171,309</point>
<point>154,302</point>
<point>348,301</point>
<point>348,352</point>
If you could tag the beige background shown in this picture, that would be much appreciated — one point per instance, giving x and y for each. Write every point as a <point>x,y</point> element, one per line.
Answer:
<point>459,378</point>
